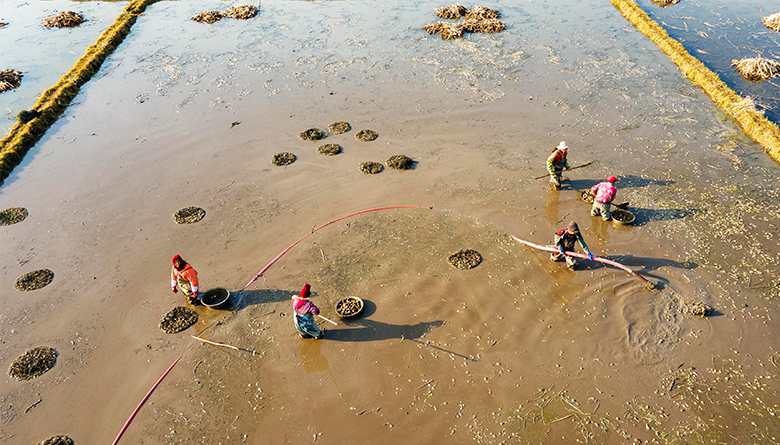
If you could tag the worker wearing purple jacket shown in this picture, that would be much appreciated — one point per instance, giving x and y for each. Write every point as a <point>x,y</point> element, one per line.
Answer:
<point>605,193</point>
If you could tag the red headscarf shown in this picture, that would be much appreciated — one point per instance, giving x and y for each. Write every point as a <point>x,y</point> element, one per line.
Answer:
<point>177,257</point>
<point>306,291</point>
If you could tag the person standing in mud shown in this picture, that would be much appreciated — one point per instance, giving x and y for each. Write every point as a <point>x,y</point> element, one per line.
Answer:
<point>564,241</point>
<point>604,193</point>
<point>183,275</point>
<point>556,163</point>
<point>305,311</point>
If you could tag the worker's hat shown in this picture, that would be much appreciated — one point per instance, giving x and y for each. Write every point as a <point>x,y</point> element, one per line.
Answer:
<point>562,146</point>
<point>613,179</point>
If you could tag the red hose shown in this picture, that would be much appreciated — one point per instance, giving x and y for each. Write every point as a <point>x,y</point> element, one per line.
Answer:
<point>585,257</point>
<point>320,227</point>
<point>142,402</point>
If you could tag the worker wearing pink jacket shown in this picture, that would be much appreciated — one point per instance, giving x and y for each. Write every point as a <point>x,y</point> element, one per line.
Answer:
<point>605,193</point>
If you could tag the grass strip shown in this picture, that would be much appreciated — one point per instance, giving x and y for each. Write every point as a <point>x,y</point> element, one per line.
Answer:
<point>56,99</point>
<point>752,122</point>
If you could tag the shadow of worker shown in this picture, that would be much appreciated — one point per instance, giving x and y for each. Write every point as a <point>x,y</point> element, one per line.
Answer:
<point>370,330</point>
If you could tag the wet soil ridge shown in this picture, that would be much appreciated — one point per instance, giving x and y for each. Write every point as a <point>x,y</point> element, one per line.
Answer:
<point>12,215</point>
<point>33,363</point>
<point>65,19</point>
<point>10,79</point>
<point>329,149</point>
<point>23,135</point>
<point>665,3</point>
<point>189,215</point>
<point>752,122</point>
<point>400,162</point>
<point>465,259</point>
<point>34,280</point>
<point>757,69</point>
<point>772,22</point>
<point>178,319</point>
<point>479,19</point>
<point>58,440</point>
<point>371,168</point>
<point>282,159</point>
<point>366,135</point>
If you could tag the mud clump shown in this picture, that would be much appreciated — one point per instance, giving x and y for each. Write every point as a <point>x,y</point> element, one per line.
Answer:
<point>697,309</point>
<point>282,159</point>
<point>178,319</point>
<point>665,3</point>
<point>208,17</point>
<point>58,440</point>
<point>33,363</point>
<point>371,168</point>
<point>34,280</point>
<point>448,31</point>
<point>339,127</point>
<point>451,12</point>
<point>65,19</point>
<point>465,259</point>
<point>10,79</point>
<point>400,162</point>
<point>329,149</point>
<point>189,215</point>
<point>757,69</point>
<point>242,12</point>
<point>12,215</point>
<point>366,135</point>
<point>312,134</point>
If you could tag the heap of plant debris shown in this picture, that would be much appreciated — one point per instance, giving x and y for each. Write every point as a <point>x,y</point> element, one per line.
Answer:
<point>697,309</point>
<point>329,149</point>
<point>665,3</point>
<point>772,22</point>
<point>208,17</point>
<point>448,31</point>
<point>12,215</point>
<point>33,363</point>
<point>241,12</point>
<point>757,69</point>
<point>400,162</point>
<point>58,440</point>
<point>282,159</point>
<point>189,215</point>
<point>178,319</point>
<point>10,79</point>
<point>312,134</point>
<point>371,168</point>
<point>339,127</point>
<point>65,19</point>
<point>455,11</point>
<point>366,135</point>
<point>479,19</point>
<point>482,13</point>
<point>34,280</point>
<point>465,259</point>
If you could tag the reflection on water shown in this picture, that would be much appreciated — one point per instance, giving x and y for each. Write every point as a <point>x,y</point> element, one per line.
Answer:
<point>311,355</point>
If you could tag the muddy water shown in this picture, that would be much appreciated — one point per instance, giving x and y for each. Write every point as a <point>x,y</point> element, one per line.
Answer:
<point>517,350</point>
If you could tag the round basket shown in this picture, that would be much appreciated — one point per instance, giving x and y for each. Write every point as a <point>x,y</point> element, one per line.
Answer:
<point>215,297</point>
<point>349,307</point>
<point>623,217</point>
<point>586,196</point>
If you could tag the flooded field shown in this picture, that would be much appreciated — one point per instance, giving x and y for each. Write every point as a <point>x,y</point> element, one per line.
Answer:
<point>515,350</point>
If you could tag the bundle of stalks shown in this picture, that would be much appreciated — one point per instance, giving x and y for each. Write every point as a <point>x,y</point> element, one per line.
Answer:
<point>665,3</point>
<point>241,12</point>
<point>65,19</point>
<point>482,13</point>
<point>772,22</point>
<point>745,105</point>
<point>448,31</point>
<point>451,12</point>
<point>10,79</point>
<point>757,69</point>
<point>208,17</point>
<point>483,25</point>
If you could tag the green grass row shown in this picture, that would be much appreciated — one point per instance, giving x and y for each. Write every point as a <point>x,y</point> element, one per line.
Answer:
<point>56,99</point>
<point>752,122</point>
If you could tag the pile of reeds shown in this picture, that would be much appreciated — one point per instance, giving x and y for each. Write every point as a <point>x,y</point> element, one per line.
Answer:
<point>241,12</point>
<point>772,22</point>
<point>665,3</point>
<point>448,31</point>
<point>487,26</point>
<point>451,12</point>
<point>65,19</point>
<point>208,17</point>
<point>482,13</point>
<point>10,79</point>
<point>757,69</point>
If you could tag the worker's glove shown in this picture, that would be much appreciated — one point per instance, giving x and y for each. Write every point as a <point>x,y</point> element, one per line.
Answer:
<point>561,251</point>
<point>175,291</point>
<point>568,168</point>
<point>194,295</point>
<point>590,255</point>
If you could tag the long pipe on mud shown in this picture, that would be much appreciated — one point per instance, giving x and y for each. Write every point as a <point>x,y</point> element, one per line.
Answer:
<point>138,408</point>
<point>585,257</point>
<point>322,226</point>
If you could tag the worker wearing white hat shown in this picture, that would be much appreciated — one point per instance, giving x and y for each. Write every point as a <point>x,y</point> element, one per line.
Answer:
<point>556,163</point>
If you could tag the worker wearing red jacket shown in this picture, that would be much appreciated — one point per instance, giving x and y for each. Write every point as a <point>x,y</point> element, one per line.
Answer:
<point>183,275</point>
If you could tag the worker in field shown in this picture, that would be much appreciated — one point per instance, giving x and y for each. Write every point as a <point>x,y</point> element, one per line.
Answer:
<point>305,311</point>
<point>556,163</point>
<point>564,241</point>
<point>186,278</point>
<point>604,193</point>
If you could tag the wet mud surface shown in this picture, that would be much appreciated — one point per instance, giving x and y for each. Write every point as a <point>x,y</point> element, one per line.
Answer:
<point>517,350</point>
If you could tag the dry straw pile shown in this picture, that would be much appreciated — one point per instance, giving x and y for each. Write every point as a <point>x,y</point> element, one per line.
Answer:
<point>455,11</point>
<point>10,79</point>
<point>479,19</point>
<point>65,19</point>
<point>665,3</point>
<point>241,12</point>
<point>757,69</point>
<point>208,17</point>
<point>772,22</point>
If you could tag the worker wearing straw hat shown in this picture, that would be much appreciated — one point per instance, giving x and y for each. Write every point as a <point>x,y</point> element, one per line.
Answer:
<point>564,241</point>
<point>305,311</point>
<point>183,275</point>
<point>604,193</point>
<point>556,162</point>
